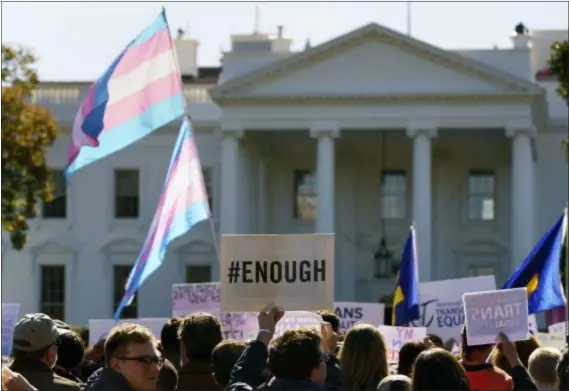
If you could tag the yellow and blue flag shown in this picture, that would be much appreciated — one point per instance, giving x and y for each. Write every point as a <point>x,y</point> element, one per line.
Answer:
<point>406,297</point>
<point>540,272</point>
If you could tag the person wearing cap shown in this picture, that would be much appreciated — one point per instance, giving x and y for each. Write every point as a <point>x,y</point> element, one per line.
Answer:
<point>34,351</point>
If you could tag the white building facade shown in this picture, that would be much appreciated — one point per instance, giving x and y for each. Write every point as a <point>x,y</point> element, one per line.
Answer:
<point>360,136</point>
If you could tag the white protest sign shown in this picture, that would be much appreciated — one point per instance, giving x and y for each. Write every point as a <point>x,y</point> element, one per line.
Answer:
<point>532,324</point>
<point>188,298</point>
<point>557,328</point>
<point>295,272</point>
<point>441,309</point>
<point>395,338</point>
<point>10,312</point>
<point>295,319</point>
<point>99,328</point>
<point>489,313</point>
<point>240,325</point>
<point>556,341</point>
<point>352,313</point>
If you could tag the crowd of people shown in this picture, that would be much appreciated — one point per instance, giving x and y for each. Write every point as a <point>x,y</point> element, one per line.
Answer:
<point>192,354</point>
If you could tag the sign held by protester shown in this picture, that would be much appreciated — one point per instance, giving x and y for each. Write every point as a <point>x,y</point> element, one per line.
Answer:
<point>295,272</point>
<point>99,328</point>
<point>489,313</point>
<point>296,319</point>
<point>556,341</point>
<point>557,328</point>
<point>352,313</point>
<point>188,298</point>
<point>10,312</point>
<point>396,337</point>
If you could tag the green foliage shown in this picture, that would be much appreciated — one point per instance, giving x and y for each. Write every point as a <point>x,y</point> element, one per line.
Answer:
<point>559,66</point>
<point>27,131</point>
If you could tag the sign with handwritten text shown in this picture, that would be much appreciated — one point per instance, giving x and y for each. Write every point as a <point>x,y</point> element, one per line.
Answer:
<point>556,341</point>
<point>489,313</point>
<point>295,319</point>
<point>188,298</point>
<point>396,337</point>
<point>352,313</point>
<point>557,328</point>
<point>10,312</point>
<point>99,328</point>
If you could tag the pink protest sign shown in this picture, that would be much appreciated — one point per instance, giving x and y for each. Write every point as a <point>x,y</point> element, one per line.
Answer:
<point>395,338</point>
<point>188,298</point>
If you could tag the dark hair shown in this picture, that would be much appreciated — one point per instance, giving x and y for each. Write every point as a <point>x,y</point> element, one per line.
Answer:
<point>437,369</point>
<point>70,350</point>
<point>436,340</point>
<point>122,335</point>
<point>224,357</point>
<point>200,333</point>
<point>407,356</point>
<point>468,350</point>
<point>167,377</point>
<point>332,318</point>
<point>563,369</point>
<point>170,340</point>
<point>36,355</point>
<point>295,354</point>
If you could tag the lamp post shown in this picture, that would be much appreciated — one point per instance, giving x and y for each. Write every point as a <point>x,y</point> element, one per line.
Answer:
<point>383,258</point>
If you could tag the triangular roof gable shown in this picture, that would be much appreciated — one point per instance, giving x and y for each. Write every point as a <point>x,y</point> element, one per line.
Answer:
<point>302,59</point>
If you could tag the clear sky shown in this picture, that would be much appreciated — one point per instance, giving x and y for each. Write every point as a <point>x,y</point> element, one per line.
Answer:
<point>78,40</point>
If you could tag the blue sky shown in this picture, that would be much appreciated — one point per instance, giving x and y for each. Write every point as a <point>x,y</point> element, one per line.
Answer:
<point>78,40</point>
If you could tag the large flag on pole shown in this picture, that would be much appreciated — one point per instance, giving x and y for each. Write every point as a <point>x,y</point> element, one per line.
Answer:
<point>139,93</point>
<point>540,271</point>
<point>406,297</point>
<point>182,205</point>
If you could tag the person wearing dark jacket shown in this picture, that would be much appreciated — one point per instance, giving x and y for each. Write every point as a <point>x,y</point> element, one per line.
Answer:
<point>520,376</point>
<point>132,361</point>
<point>199,333</point>
<point>299,359</point>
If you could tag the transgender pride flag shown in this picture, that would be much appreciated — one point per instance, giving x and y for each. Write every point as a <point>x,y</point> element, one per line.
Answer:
<point>182,205</point>
<point>139,93</point>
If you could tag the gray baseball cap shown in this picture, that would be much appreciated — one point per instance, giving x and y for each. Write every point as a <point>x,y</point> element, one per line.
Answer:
<point>35,332</point>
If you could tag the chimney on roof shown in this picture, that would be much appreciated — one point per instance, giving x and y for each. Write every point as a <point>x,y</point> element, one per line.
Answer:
<point>180,33</point>
<point>280,32</point>
<point>521,37</point>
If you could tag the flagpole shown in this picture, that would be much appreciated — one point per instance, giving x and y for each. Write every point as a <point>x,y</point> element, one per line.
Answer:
<point>409,18</point>
<point>567,274</point>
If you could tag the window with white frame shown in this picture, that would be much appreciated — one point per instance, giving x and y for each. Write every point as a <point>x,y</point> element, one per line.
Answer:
<point>127,194</point>
<point>120,277</point>
<point>208,181</point>
<point>481,195</point>
<point>57,208</point>
<point>305,195</point>
<point>196,274</point>
<point>52,291</point>
<point>393,194</point>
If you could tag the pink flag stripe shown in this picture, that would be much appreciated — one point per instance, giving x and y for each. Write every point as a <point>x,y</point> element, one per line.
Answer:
<point>139,102</point>
<point>143,52</point>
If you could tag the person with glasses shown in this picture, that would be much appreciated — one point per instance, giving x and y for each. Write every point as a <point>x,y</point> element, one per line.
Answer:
<point>132,361</point>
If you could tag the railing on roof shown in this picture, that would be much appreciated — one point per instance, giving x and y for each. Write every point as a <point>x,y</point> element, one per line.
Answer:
<point>52,95</point>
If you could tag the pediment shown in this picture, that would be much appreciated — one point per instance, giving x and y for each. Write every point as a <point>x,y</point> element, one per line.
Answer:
<point>56,246</point>
<point>195,247</point>
<point>374,61</point>
<point>122,245</point>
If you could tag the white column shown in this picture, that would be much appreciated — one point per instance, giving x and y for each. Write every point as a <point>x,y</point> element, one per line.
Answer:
<point>230,180</point>
<point>522,197</point>
<point>325,164</point>
<point>422,198</point>
<point>263,194</point>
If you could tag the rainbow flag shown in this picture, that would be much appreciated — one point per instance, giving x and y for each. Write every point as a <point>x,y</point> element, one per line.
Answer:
<point>182,205</point>
<point>139,93</point>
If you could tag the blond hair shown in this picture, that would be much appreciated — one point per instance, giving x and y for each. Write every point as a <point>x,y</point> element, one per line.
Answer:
<point>122,335</point>
<point>542,366</point>
<point>363,358</point>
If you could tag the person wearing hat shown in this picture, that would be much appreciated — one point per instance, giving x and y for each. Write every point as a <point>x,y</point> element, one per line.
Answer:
<point>34,351</point>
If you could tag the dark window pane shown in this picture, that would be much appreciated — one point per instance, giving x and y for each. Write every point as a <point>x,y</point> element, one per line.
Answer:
<point>481,195</point>
<point>57,209</point>
<point>120,277</point>
<point>52,291</point>
<point>127,193</point>
<point>198,274</point>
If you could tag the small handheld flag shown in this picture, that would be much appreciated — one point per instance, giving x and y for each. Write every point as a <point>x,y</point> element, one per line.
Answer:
<point>182,205</point>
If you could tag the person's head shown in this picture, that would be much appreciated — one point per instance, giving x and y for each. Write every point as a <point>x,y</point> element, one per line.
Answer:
<point>130,349</point>
<point>395,383</point>
<point>363,358</point>
<point>223,358</point>
<point>524,348</point>
<point>407,356</point>
<point>563,369</point>
<point>168,377</point>
<point>200,333</point>
<point>35,338</point>
<point>96,352</point>
<point>473,353</point>
<point>437,369</point>
<point>297,354</point>
<point>170,340</point>
<point>70,350</point>
<point>332,318</point>
<point>542,367</point>
<point>436,340</point>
